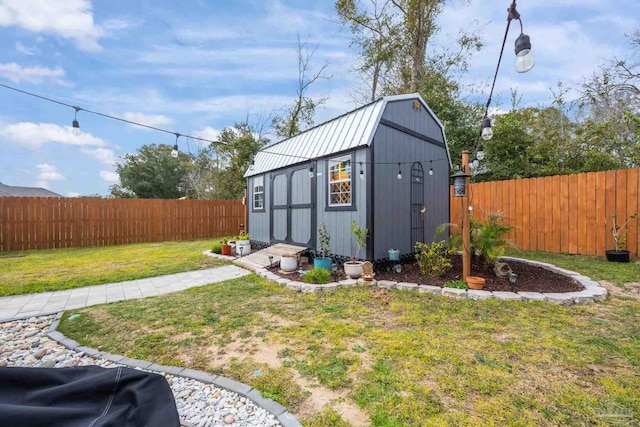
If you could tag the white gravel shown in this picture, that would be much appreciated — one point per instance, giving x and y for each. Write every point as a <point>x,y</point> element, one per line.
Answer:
<point>25,343</point>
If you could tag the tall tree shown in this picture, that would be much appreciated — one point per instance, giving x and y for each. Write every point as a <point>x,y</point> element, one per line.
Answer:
<point>151,174</point>
<point>236,147</point>
<point>300,115</point>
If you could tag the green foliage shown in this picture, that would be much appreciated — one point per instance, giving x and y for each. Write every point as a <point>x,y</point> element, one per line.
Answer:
<point>236,147</point>
<point>325,240</point>
<point>243,236</point>
<point>458,284</point>
<point>216,249</point>
<point>487,238</point>
<point>224,241</point>
<point>328,417</point>
<point>151,174</point>
<point>318,276</point>
<point>620,231</point>
<point>359,239</point>
<point>433,259</point>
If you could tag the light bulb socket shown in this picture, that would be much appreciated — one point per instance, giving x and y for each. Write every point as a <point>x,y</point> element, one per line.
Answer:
<point>486,122</point>
<point>311,173</point>
<point>75,124</point>
<point>523,42</point>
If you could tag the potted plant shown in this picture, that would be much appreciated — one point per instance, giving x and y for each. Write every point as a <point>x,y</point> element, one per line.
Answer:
<point>243,245</point>
<point>324,239</point>
<point>475,282</point>
<point>232,243</point>
<point>394,254</point>
<point>620,237</point>
<point>225,246</point>
<point>353,268</point>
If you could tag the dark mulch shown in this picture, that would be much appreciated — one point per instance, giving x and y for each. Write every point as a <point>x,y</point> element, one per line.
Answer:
<point>530,278</point>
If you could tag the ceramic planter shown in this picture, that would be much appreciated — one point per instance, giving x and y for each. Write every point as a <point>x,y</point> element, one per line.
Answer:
<point>243,247</point>
<point>324,263</point>
<point>353,269</point>
<point>617,256</point>
<point>394,255</point>
<point>475,282</point>
<point>288,263</point>
<point>226,249</point>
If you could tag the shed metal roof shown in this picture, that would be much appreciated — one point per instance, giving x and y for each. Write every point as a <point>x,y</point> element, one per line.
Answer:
<point>13,191</point>
<point>353,129</point>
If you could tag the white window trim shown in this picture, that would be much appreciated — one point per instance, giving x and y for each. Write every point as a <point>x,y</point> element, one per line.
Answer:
<point>331,162</point>
<point>258,182</point>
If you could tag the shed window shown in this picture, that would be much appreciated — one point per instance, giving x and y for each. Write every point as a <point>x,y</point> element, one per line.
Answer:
<point>258,193</point>
<point>340,181</point>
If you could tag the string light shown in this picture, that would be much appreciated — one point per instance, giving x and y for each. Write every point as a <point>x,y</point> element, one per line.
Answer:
<point>174,152</point>
<point>75,124</point>
<point>399,172</point>
<point>361,172</point>
<point>430,167</point>
<point>253,163</point>
<point>311,174</point>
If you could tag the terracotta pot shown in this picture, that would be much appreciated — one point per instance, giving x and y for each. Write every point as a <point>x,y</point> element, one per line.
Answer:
<point>226,249</point>
<point>475,282</point>
<point>353,269</point>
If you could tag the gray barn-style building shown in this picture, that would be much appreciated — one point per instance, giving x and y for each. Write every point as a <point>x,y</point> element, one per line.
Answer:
<point>385,165</point>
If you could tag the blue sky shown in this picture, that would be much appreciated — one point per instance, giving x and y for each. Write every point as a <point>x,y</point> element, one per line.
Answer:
<point>195,67</point>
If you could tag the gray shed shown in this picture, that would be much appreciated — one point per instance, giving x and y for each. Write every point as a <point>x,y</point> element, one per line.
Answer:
<point>385,165</point>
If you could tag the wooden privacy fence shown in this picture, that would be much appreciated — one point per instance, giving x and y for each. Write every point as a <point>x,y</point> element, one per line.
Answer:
<point>563,214</point>
<point>50,222</point>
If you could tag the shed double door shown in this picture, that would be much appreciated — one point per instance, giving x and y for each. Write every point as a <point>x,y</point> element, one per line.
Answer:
<point>291,207</point>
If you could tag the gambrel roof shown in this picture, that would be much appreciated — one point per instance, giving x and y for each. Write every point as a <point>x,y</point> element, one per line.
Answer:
<point>353,129</point>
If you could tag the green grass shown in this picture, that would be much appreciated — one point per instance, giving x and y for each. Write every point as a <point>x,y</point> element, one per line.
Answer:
<point>597,268</point>
<point>401,358</point>
<point>55,269</point>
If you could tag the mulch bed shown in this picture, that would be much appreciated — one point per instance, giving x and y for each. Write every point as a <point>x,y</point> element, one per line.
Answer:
<point>530,277</point>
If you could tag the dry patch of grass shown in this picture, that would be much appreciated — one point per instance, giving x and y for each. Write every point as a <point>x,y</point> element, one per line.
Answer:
<point>363,356</point>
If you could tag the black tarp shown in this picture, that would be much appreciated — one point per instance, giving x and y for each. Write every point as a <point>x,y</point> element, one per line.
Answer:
<point>87,396</point>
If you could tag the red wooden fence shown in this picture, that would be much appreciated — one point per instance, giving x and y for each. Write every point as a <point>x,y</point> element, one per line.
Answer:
<point>50,222</point>
<point>562,214</point>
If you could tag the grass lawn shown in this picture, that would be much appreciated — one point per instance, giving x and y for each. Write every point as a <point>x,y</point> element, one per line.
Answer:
<point>369,356</point>
<point>597,268</point>
<point>55,269</point>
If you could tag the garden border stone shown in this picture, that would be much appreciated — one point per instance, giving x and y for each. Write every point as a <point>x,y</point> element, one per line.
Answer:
<point>592,291</point>
<point>285,417</point>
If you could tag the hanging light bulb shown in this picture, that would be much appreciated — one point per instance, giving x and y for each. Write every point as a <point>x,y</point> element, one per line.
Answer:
<point>487,132</point>
<point>75,124</point>
<point>430,167</point>
<point>524,57</point>
<point>399,172</point>
<point>474,163</point>
<point>174,152</point>
<point>311,174</point>
<point>253,163</point>
<point>480,152</point>
<point>361,172</point>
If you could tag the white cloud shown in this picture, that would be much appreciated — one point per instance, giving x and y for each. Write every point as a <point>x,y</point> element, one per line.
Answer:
<point>105,156</point>
<point>110,177</point>
<point>208,133</point>
<point>20,48</point>
<point>73,194</point>
<point>34,135</point>
<point>37,74</point>
<point>146,119</point>
<point>68,19</point>
<point>47,173</point>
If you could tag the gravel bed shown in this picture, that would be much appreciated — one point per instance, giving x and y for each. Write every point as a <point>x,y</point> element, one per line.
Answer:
<point>25,343</point>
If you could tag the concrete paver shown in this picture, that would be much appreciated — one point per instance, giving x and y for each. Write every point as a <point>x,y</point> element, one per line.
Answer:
<point>20,306</point>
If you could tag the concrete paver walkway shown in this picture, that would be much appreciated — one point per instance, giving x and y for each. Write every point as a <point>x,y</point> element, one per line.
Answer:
<point>19,306</point>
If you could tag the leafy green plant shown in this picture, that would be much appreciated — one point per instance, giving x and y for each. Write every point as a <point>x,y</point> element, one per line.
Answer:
<point>224,241</point>
<point>620,231</point>
<point>487,238</point>
<point>318,276</point>
<point>325,240</point>
<point>243,236</point>
<point>360,239</point>
<point>217,249</point>
<point>433,259</point>
<point>458,284</point>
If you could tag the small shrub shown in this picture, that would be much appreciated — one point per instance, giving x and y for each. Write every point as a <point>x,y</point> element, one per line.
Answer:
<point>217,249</point>
<point>487,238</point>
<point>458,284</point>
<point>433,259</point>
<point>318,276</point>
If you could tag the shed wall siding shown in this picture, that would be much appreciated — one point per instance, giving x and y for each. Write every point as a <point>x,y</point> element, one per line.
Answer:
<point>403,113</point>
<point>392,197</point>
<point>339,222</point>
<point>259,221</point>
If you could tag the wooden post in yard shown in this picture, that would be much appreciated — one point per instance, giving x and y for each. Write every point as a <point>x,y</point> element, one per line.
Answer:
<point>244,213</point>
<point>466,231</point>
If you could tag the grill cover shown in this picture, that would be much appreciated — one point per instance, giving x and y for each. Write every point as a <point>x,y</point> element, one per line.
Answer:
<point>87,396</point>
